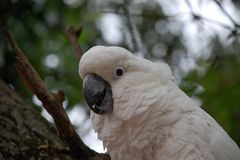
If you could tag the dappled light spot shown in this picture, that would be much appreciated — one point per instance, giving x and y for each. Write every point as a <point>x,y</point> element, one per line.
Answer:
<point>111,25</point>
<point>51,61</point>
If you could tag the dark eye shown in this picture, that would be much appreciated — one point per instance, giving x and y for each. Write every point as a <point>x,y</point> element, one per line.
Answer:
<point>119,71</point>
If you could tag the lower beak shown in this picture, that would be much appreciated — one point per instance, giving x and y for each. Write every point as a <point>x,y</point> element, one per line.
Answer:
<point>98,94</point>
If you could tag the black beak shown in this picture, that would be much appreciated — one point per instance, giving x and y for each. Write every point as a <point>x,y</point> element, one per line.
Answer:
<point>98,94</point>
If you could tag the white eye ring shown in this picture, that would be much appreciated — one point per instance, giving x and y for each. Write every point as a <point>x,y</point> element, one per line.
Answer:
<point>119,71</point>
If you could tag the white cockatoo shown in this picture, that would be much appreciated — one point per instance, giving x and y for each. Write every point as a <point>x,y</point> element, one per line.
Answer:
<point>140,113</point>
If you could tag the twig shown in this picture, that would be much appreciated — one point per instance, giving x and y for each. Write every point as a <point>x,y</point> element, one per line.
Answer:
<point>189,5</point>
<point>73,34</point>
<point>234,30</point>
<point>226,13</point>
<point>223,25</point>
<point>136,39</point>
<point>53,103</point>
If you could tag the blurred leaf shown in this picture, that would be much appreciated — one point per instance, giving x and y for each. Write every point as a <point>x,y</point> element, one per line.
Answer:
<point>221,93</point>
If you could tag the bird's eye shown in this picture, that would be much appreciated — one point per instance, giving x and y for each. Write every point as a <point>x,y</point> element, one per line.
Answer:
<point>119,71</point>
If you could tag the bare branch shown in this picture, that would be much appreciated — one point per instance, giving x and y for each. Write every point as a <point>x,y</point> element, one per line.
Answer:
<point>212,21</point>
<point>189,5</point>
<point>136,39</point>
<point>196,16</point>
<point>73,34</point>
<point>53,103</point>
<point>226,13</point>
<point>234,30</point>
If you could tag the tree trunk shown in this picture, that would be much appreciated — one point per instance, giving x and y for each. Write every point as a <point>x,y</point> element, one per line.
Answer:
<point>24,134</point>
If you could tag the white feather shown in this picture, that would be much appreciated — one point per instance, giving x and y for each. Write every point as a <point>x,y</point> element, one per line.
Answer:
<point>152,118</point>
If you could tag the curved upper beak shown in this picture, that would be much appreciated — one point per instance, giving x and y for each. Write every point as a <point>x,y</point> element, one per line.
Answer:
<point>98,94</point>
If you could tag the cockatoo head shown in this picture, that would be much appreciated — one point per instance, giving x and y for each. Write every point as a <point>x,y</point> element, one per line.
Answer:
<point>108,71</point>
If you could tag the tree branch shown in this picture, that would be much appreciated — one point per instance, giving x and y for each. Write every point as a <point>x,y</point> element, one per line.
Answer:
<point>234,30</point>
<point>226,13</point>
<point>52,102</point>
<point>136,39</point>
<point>73,34</point>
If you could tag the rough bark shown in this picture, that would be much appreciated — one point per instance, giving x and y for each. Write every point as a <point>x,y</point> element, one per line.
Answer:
<point>24,134</point>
